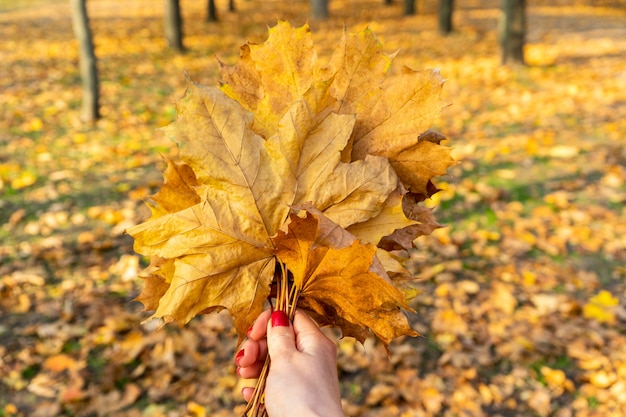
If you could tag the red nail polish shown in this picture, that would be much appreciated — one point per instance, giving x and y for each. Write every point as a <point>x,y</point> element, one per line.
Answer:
<point>249,330</point>
<point>239,356</point>
<point>279,319</point>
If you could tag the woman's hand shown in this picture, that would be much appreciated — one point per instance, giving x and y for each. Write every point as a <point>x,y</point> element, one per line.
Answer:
<point>302,379</point>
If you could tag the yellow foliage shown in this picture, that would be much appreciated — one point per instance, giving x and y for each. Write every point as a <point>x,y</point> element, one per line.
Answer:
<point>345,142</point>
<point>195,409</point>
<point>604,298</point>
<point>23,180</point>
<point>601,307</point>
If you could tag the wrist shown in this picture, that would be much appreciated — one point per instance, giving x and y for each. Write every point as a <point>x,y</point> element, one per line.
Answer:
<point>334,412</point>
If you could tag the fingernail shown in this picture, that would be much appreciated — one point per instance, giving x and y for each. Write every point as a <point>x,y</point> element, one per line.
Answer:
<point>239,356</point>
<point>249,330</point>
<point>280,319</point>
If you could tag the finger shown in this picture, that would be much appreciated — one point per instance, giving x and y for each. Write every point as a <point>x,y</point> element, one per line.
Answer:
<point>254,351</point>
<point>309,337</point>
<point>303,324</point>
<point>281,340</point>
<point>248,354</point>
<point>252,371</point>
<point>247,393</point>
<point>259,328</point>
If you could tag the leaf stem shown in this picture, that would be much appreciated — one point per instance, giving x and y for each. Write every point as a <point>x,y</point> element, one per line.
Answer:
<point>286,300</point>
<point>256,405</point>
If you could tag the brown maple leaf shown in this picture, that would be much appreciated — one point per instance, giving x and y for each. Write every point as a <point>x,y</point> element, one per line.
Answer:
<point>339,279</point>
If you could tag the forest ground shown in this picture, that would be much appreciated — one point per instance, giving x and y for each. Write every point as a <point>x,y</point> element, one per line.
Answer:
<point>522,310</point>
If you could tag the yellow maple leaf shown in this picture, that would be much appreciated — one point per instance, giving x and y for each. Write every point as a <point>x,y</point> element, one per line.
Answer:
<point>269,77</point>
<point>177,190</point>
<point>355,72</point>
<point>418,164</point>
<point>390,219</point>
<point>404,104</point>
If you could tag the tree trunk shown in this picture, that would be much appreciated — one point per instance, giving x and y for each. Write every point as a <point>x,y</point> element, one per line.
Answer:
<point>319,9</point>
<point>513,31</point>
<point>409,7</point>
<point>173,25</point>
<point>388,2</point>
<point>445,16</point>
<point>211,11</point>
<point>88,62</point>
<point>231,6</point>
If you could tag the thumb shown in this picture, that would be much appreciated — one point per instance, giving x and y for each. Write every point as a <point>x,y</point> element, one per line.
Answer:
<point>281,339</point>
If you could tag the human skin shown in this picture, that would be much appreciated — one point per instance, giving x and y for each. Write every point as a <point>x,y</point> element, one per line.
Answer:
<point>302,379</point>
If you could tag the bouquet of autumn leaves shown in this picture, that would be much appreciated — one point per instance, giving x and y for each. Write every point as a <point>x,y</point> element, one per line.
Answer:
<point>297,182</point>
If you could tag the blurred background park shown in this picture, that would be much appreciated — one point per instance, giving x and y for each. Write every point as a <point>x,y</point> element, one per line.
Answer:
<point>523,305</point>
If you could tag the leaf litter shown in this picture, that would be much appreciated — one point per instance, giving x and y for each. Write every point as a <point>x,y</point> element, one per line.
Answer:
<point>519,289</point>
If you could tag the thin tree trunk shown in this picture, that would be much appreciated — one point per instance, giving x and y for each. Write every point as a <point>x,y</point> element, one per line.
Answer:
<point>512,31</point>
<point>231,6</point>
<point>211,11</point>
<point>409,7</point>
<point>319,9</point>
<point>173,25</point>
<point>445,16</point>
<point>88,62</point>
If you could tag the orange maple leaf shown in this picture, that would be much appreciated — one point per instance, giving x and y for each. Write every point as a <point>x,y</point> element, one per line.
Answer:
<point>340,280</point>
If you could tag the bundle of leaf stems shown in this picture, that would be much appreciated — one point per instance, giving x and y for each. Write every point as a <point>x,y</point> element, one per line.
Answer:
<point>286,300</point>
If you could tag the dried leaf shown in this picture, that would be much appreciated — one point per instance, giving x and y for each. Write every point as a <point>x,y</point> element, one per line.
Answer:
<point>418,164</point>
<point>390,219</point>
<point>271,76</point>
<point>177,190</point>
<point>155,284</point>
<point>423,223</point>
<point>405,106</point>
<point>332,280</point>
<point>59,363</point>
<point>357,69</point>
